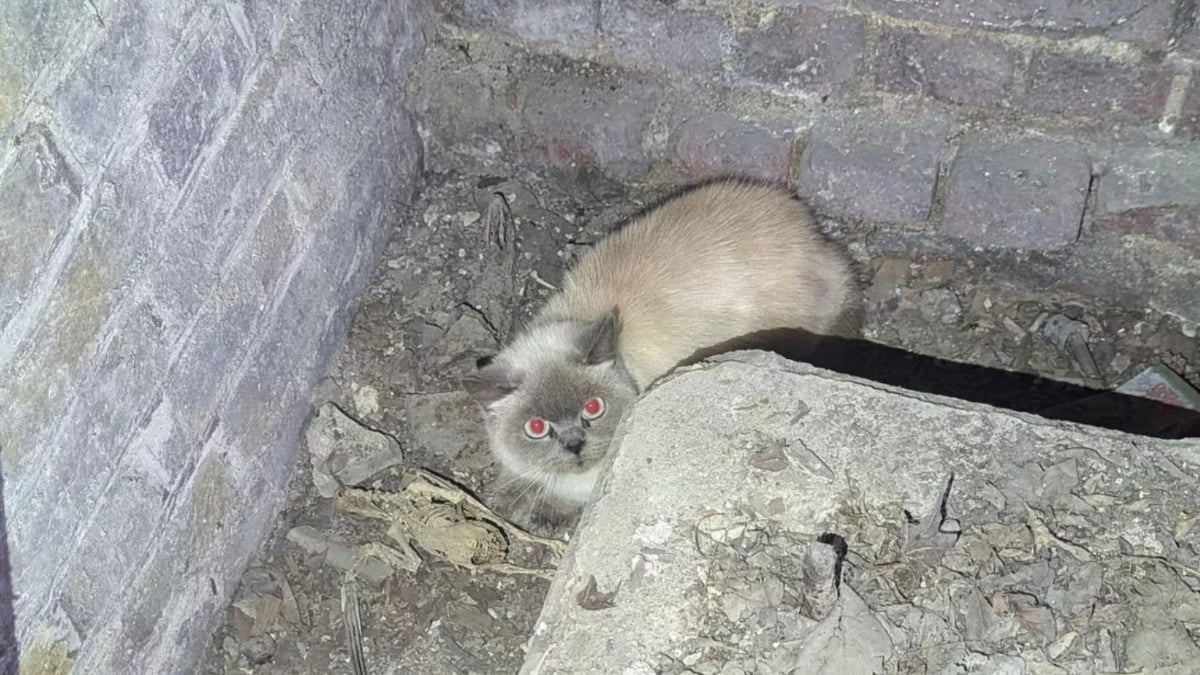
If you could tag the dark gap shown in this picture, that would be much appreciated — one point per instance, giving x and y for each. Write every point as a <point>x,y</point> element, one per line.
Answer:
<point>1019,392</point>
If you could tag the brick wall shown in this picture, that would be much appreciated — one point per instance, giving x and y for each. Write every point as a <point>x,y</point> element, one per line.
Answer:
<point>191,196</point>
<point>1062,133</point>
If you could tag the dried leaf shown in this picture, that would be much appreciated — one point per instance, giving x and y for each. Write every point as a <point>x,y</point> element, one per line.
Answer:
<point>592,599</point>
<point>850,640</point>
<point>1031,614</point>
<point>937,534</point>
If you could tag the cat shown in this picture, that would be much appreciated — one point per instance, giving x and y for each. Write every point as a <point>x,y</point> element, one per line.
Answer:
<point>702,272</point>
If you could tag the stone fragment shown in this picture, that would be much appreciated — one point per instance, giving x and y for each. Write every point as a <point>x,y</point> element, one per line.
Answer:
<point>344,452</point>
<point>1025,193</point>
<point>918,482</point>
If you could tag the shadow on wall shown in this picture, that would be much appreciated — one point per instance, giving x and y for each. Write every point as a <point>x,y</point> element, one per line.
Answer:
<point>9,650</point>
<point>1000,388</point>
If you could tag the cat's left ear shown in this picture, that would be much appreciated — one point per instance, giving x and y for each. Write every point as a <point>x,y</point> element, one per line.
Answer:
<point>599,341</point>
<point>490,383</point>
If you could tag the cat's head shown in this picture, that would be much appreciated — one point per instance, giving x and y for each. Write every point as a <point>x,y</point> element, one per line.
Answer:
<point>554,397</point>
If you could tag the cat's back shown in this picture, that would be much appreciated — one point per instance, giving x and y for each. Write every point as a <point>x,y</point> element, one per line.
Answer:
<point>711,264</point>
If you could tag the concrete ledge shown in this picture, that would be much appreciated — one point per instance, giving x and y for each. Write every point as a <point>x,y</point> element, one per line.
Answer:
<point>1077,549</point>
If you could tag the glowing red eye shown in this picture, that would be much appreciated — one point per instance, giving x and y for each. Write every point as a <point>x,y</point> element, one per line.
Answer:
<point>593,409</point>
<point>536,428</point>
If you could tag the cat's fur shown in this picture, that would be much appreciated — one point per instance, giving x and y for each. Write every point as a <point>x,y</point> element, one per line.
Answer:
<point>691,277</point>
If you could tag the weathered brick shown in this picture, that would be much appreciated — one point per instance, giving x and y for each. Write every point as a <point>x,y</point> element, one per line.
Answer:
<point>86,433</point>
<point>168,602</point>
<point>647,31</point>
<point>183,122</point>
<point>1175,224</point>
<point>97,101</point>
<point>1025,193</point>
<point>806,48</point>
<point>873,169</point>
<point>129,513</point>
<point>46,368</point>
<point>1147,22</point>
<point>80,457</point>
<point>34,34</point>
<point>40,194</point>
<point>1139,176</point>
<point>967,70</point>
<point>570,22</point>
<point>1101,88</point>
<point>1125,271</point>
<point>481,135</point>
<point>596,121</point>
<point>712,144</point>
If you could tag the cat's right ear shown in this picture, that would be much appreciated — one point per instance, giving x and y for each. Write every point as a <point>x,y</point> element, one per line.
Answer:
<point>490,383</point>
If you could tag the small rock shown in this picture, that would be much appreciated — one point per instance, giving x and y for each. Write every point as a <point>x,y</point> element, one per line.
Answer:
<point>890,276</point>
<point>346,453</point>
<point>309,538</point>
<point>937,273</point>
<point>941,305</point>
<point>339,553</point>
<point>1120,363</point>
<point>366,401</point>
<point>259,649</point>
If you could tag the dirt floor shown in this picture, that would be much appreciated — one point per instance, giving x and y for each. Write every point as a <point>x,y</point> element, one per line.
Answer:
<point>447,293</point>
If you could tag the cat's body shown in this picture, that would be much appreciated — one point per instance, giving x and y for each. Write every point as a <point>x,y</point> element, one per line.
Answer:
<point>702,270</point>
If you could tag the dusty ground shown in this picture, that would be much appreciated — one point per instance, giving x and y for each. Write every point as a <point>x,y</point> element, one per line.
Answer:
<point>446,294</point>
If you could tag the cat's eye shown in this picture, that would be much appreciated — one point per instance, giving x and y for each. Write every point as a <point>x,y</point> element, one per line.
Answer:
<point>593,409</point>
<point>537,427</point>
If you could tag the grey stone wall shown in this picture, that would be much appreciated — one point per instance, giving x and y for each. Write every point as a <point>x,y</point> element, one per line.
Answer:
<point>191,197</point>
<point>1063,136</point>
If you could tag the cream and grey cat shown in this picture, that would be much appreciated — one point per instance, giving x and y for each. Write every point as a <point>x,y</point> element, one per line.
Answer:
<point>688,278</point>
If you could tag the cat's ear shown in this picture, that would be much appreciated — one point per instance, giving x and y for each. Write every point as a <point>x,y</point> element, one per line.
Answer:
<point>599,341</point>
<point>490,383</point>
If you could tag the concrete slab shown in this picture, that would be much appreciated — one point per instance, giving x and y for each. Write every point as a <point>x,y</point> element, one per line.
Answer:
<point>1056,548</point>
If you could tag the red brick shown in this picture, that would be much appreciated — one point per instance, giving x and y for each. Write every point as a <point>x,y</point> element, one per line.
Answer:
<point>706,145</point>
<point>568,22</point>
<point>646,31</point>
<point>872,168</point>
<point>1146,22</point>
<point>1024,193</point>
<point>970,71</point>
<point>805,48</point>
<point>1175,224</point>
<point>1103,89</point>
<point>596,121</point>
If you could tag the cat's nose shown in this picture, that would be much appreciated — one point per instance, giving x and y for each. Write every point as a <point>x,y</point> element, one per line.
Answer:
<point>572,440</point>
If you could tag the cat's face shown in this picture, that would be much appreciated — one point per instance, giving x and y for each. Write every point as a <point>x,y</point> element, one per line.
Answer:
<point>552,408</point>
